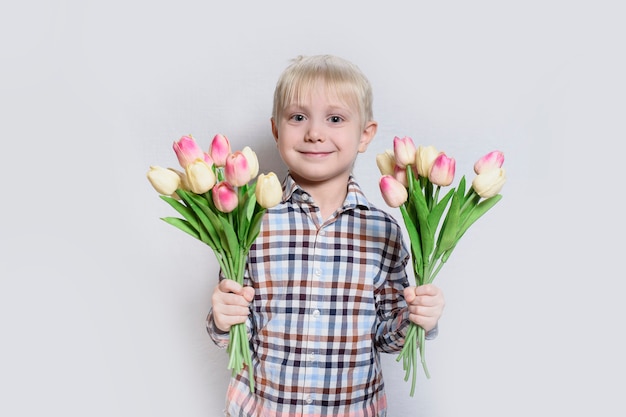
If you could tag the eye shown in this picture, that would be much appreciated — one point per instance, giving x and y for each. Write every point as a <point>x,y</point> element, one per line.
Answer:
<point>297,117</point>
<point>335,119</point>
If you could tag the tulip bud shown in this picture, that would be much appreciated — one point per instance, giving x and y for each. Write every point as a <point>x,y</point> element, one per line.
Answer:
<point>489,183</point>
<point>253,161</point>
<point>394,193</point>
<point>220,149</point>
<point>268,190</point>
<point>165,181</point>
<point>236,171</point>
<point>424,158</point>
<point>492,160</point>
<point>386,162</point>
<point>404,151</point>
<point>442,171</point>
<point>224,197</point>
<point>200,177</point>
<point>187,151</point>
<point>401,175</point>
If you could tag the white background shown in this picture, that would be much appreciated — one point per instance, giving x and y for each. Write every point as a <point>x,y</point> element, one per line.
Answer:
<point>102,305</point>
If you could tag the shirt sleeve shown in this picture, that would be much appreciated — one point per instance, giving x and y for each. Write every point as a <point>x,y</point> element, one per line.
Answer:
<point>219,337</point>
<point>392,311</point>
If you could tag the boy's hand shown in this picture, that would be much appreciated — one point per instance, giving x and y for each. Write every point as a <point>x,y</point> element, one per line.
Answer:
<point>426,305</point>
<point>230,304</point>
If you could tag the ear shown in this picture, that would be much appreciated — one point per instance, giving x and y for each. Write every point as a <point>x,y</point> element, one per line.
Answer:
<point>367,135</point>
<point>274,129</point>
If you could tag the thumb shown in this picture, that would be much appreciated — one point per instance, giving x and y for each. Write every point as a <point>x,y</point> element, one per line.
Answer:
<point>248,293</point>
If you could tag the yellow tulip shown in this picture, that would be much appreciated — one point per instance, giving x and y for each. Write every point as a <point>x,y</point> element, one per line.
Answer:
<point>268,190</point>
<point>386,162</point>
<point>424,158</point>
<point>253,161</point>
<point>200,176</point>
<point>165,181</point>
<point>489,183</point>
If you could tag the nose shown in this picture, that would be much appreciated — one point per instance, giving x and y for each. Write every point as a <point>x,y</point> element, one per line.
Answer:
<point>314,133</point>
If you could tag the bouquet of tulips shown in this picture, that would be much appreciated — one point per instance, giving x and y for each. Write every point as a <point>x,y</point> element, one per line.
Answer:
<point>221,206</point>
<point>412,179</point>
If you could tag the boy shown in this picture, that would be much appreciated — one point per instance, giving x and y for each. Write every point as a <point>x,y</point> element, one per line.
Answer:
<point>327,285</point>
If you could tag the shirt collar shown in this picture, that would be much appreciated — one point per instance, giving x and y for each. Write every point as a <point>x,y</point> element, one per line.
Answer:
<point>355,197</point>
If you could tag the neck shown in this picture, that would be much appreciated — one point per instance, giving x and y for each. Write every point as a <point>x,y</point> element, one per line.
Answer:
<point>328,195</point>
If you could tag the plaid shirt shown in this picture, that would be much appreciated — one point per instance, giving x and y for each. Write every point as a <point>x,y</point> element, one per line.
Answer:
<point>328,298</point>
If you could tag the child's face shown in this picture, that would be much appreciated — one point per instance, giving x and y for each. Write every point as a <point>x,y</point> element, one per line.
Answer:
<point>320,138</point>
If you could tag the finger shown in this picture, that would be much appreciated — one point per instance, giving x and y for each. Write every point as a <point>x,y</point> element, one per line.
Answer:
<point>426,289</point>
<point>248,293</point>
<point>229,285</point>
<point>409,294</point>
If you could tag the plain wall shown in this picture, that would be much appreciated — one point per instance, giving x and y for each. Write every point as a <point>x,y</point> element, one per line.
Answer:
<point>102,304</point>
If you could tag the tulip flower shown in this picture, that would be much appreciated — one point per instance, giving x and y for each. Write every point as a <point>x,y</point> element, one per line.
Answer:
<point>236,169</point>
<point>492,160</point>
<point>220,149</point>
<point>386,162</point>
<point>401,175</point>
<point>220,210</point>
<point>424,158</point>
<point>392,190</point>
<point>489,183</point>
<point>434,222</point>
<point>224,197</point>
<point>442,170</point>
<point>253,161</point>
<point>200,176</point>
<point>165,181</point>
<point>187,151</point>
<point>268,190</point>
<point>404,151</point>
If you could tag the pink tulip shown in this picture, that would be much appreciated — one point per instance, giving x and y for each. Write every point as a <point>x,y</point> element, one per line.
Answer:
<point>401,176</point>
<point>394,193</point>
<point>187,151</point>
<point>404,151</point>
<point>224,197</point>
<point>220,149</point>
<point>493,159</point>
<point>442,171</point>
<point>237,170</point>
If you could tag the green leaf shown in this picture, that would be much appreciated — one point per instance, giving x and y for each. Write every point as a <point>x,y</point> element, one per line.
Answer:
<point>434,217</point>
<point>184,210</point>
<point>449,229</point>
<point>198,205</point>
<point>183,225</point>
<point>426,234</point>
<point>255,227</point>
<point>477,212</point>
<point>229,238</point>
<point>416,243</point>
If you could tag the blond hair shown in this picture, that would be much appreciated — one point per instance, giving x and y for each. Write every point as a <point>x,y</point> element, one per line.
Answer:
<point>338,74</point>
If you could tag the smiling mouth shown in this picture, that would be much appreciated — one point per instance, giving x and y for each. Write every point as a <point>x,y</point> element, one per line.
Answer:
<point>315,154</point>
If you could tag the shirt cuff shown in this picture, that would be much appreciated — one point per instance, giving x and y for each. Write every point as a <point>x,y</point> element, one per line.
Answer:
<point>219,337</point>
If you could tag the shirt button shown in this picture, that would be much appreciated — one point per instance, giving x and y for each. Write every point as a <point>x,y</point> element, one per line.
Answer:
<point>311,357</point>
<point>309,399</point>
<point>322,233</point>
<point>318,272</point>
<point>316,313</point>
